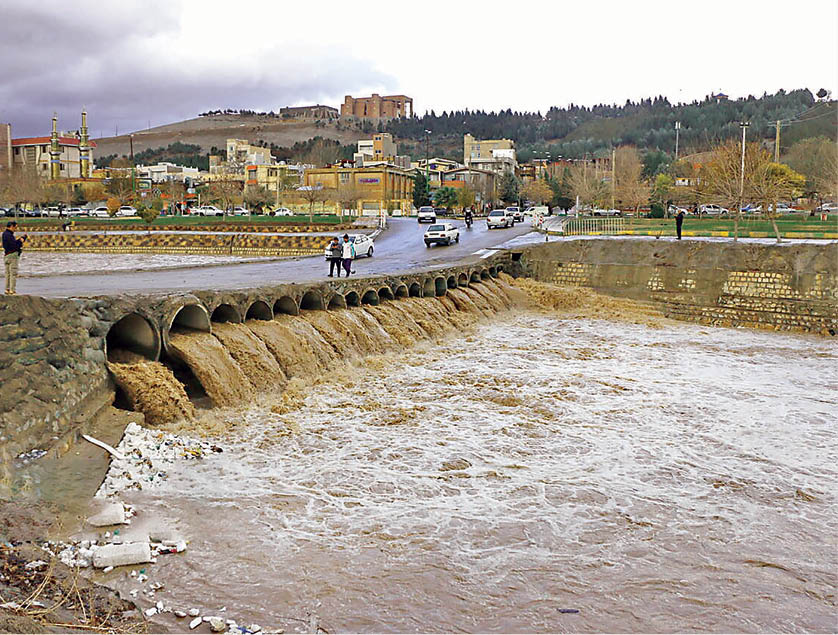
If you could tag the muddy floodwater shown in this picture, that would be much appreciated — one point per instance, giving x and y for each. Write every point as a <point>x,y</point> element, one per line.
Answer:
<point>653,478</point>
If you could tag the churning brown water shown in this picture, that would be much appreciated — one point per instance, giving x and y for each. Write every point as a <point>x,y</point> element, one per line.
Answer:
<point>654,479</point>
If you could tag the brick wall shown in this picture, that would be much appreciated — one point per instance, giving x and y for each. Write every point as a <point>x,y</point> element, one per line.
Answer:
<point>782,287</point>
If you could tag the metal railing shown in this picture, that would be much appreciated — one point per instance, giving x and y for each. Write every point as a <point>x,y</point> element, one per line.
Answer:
<point>594,226</point>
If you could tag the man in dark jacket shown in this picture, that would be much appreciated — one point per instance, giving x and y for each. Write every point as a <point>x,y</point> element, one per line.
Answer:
<point>335,256</point>
<point>679,220</point>
<point>12,247</point>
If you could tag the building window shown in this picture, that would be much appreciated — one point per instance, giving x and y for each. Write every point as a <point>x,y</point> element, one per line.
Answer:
<point>44,148</point>
<point>344,177</point>
<point>17,150</point>
<point>61,166</point>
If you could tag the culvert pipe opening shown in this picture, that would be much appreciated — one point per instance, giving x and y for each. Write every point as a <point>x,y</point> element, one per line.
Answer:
<point>401,291</point>
<point>337,302</point>
<point>462,280</point>
<point>385,293</point>
<point>440,288</point>
<point>225,313</point>
<point>352,299</point>
<point>370,297</point>
<point>428,288</point>
<point>136,335</point>
<point>415,290</point>
<point>452,282</point>
<point>286,306</point>
<point>311,301</point>
<point>191,316</point>
<point>484,274</point>
<point>475,277</point>
<point>259,310</point>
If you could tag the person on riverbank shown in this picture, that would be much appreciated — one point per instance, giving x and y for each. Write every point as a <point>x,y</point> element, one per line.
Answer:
<point>348,254</point>
<point>12,248</point>
<point>335,256</point>
<point>679,221</point>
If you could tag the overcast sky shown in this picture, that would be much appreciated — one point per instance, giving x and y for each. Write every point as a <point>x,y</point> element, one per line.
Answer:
<point>135,63</point>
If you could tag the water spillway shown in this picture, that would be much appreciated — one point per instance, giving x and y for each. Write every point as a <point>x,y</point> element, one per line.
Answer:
<point>236,361</point>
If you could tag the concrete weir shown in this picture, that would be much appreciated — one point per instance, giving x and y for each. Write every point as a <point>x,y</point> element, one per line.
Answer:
<point>53,365</point>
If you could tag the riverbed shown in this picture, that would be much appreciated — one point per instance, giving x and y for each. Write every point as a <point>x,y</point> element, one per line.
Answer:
<point>535,474</point>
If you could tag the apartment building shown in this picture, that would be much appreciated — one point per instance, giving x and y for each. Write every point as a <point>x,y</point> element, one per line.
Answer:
<point>379,187</point>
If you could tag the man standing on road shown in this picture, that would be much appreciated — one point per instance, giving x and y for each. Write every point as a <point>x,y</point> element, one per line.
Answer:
<point>348,254</point>
<point>335,256</point>
<point>12,247</point>
<point>679,220</point>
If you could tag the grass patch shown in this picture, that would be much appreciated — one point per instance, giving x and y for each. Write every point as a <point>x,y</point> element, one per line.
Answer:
<point>162,221</point>
<point>788,225</point>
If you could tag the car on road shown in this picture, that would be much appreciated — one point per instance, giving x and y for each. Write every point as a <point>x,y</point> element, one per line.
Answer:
<point>442,234</point>
<point>209,210</point>
<point>99,212</point>
<point>711,209</point>
<point>426,214</point>
<point>517,214</point>
<point>827,208</point>
<point>499,218</point>
<point>607,212</point>
<point>364,246</point>
<point>674,209</point>
<point>240,211</point>
<point>282,211</point>
<point>126,210</point>
<point>75,211</point>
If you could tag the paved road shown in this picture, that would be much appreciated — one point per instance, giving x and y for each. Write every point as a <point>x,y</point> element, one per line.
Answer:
<point>400,249</point>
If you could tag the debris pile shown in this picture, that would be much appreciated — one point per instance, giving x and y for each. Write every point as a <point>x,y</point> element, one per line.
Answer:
<point>145,456</point>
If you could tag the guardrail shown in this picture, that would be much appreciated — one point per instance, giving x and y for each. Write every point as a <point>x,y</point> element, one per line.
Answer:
<point>594,226</point>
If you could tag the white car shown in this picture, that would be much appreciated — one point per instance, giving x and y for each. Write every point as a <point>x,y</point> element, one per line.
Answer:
<point>607,212</point>
<point>53,211</point>
<point>282,211</point>
<point>443,234</point>
<point>240,211</point>
<point>499,218</point>
<point>209,210</point>
<point>426,214</point>
<point>75,211</point>
<point>713,210</point>
<point>126,210</point>
<point>364,246</point>
<point>99,212</point>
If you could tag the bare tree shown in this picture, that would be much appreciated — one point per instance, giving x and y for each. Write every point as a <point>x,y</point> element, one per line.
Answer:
<point>21,185</point>
<point>347,197</point>
<point>774,182</point>
<point>226,193</point>
<point>724,181</point>
<point>817,159</point>
<point>312,194</point>
<point>588,186</point>
<point>630,188</point>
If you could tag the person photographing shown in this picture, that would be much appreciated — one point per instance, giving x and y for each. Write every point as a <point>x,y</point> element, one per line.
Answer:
<point>12,247</point>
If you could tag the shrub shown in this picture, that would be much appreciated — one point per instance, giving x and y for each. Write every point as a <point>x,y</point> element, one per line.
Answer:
<point>657,211</point>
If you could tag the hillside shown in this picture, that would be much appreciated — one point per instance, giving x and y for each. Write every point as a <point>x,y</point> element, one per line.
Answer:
<point>213,131</point>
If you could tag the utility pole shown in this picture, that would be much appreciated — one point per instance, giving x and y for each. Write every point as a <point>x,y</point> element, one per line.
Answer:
<point>427,164</point>
<point>613,176</point>
<point>744,125</point>
<point>677,135</point>
<point>133,184</point>
<point>777,144</point>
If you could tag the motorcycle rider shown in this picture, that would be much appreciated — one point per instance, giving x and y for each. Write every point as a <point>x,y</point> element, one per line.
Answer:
<point>469,218</point>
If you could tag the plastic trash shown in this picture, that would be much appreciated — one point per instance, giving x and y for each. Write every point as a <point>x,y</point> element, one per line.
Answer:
<point>118,555</point>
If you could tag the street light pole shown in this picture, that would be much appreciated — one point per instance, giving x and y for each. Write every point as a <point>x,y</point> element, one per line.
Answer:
<point>744,125</point>
<point>677,135</point>
<point>427,164</point>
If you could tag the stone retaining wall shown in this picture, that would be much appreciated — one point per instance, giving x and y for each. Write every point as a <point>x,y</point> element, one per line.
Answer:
<point>206,244</point>
<point>242,227</point>
<point>789,287</point>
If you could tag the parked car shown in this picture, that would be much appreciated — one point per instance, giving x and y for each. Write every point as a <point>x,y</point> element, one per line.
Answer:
<point>499,218</point>
<point>426,214</point>
<point>240,211</point>
<point>827,208</point>
<point>607,212</point>
<point>713,210</point>
<point>75,211</point>
<point>209,210</point>
<point>126,210</point>
<point>53,211</point>
<point>364,246</point>
<point>99,212</point>
<point>282,211</point>
<point>443,234</point>
<point>35,212</point>
<point>674,209</point>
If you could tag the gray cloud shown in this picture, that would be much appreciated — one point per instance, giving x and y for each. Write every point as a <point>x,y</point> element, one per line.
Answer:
<point>128,64</point>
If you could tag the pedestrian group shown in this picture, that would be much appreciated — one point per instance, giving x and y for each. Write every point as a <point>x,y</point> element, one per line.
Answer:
<point>341,254</point>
